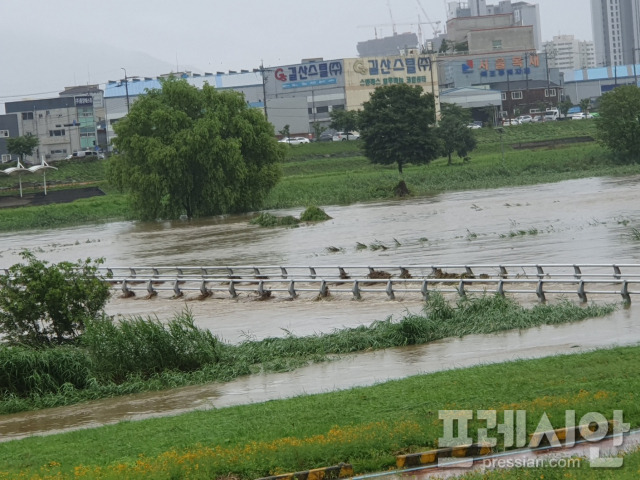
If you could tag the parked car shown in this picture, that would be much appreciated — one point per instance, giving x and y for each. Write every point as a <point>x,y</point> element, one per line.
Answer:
<point>525,119</point>
<point>581,116</point>
<point>342,136</point>
<point>85,154</point>
<point>295,140</point>
<point>551,114</point>
<point>475,125</point>
<point>325,137</point>
<point>513,121</point>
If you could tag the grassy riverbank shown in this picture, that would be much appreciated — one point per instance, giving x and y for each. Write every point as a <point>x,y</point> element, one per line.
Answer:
<point>331,173</point>
<point>142,355</point>
<point>363,426</point>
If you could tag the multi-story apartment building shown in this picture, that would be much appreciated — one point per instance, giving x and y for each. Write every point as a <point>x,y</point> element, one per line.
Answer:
<point>524,14</point>
<point>616,31</point>
<point>568,53</point>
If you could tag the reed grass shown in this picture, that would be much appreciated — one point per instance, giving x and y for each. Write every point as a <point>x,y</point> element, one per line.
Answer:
<point>140,354</point>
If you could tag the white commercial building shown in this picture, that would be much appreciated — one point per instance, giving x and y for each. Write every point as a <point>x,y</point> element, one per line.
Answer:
<point>568,53</point>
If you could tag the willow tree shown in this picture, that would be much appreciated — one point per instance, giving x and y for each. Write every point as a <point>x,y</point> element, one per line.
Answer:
<point>194,152</point>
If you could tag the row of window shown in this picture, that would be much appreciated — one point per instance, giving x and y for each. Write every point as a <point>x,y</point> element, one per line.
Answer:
<point>4,133</point>
<point>517,95</point>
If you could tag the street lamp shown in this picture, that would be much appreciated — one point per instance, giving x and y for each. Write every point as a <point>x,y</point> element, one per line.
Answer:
<point>126,86</point>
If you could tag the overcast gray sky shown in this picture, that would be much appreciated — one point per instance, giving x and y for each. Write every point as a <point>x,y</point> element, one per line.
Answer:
<point>47,45</point>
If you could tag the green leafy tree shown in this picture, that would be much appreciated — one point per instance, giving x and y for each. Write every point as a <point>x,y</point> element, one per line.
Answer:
<point>318,129</point>
<point>397,126</point>
<point>44,304</point>
<point>564,107</point>
<point>194,152</point>
<point>453,131</point>
<point>618,125</point>
<point>344,120</point>
<point>585,104</point>
<point>22,146</point>
<point>285,132</point>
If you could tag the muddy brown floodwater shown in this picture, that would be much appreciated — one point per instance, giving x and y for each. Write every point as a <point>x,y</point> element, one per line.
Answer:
<point>578,221</point>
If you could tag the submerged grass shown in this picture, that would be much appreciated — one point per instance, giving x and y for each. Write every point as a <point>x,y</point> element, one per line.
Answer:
<point>142,354</point>
<point>364,426</point>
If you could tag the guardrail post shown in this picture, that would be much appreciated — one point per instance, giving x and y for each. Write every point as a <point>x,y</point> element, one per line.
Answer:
<point>503,271</point>
<point>125,290</point>
<point>371,270</point>
<point>626,298</point>
<point>256,271</point>
<point>283,272</point>
<point>404,273</point>
<point>389,290</point>
<point>617,272</point>
<point>500,289</point>
<point>180,274</point>
<point>155,272</point>
<point>176,289</point>
<point>150,288</point>
<point>540,271</point>
<point>581,294</point>
<point>203,288</point>
<point>229,271</point>
<point>342,273</point>
<point>323,289</point>
<point>133,272</point>
<point>109,272</point>
<point>468,270</point>
<point>356,290</point>
<point>424,290</point>
<point>203,271</point>
<point>576,271</point>
<point>292,290</point>
<point>261,288</point>
<point>461,291</point>
<point>312,272</point>
<point>232,290</point>
<point>540,292</point>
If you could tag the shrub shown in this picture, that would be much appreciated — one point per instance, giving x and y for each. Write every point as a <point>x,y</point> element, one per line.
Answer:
<point>45,304</point>
<point>314,214</point>
<point>144,347</point>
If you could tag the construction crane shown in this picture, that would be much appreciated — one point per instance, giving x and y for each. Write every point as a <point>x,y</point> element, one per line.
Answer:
<point>434,25</point>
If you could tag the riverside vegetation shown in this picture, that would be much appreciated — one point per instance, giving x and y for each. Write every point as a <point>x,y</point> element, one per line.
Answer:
<point>364,426</point>
<point>337,173</point>
<point>142,354</point>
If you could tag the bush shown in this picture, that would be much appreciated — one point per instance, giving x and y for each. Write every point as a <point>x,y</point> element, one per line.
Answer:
<point>43,304</point>
<point>144,347</point>
<point>268,220</point>
<point>314,214</point>
<point>25,371</point>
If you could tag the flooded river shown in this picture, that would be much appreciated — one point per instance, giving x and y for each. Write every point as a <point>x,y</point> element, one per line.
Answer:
<point>578,221</point>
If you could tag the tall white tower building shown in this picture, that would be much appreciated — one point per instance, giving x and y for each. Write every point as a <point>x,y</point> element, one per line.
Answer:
<point>616,31</point>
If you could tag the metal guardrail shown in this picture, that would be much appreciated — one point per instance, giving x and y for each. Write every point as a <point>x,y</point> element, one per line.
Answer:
<point>539,279</point>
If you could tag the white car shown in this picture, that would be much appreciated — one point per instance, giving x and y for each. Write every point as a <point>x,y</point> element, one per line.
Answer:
<point>294,140</point>
<point>525,118</point>
<point>513,121</point>
<point>581,116</point>
<point>342,136</point>
<point>86,154</point>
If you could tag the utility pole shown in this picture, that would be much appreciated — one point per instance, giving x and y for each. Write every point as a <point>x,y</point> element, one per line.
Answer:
<point>264,91</point>
<point>126,87</point>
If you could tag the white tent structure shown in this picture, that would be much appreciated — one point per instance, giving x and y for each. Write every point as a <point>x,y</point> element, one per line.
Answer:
<point>21,170</point>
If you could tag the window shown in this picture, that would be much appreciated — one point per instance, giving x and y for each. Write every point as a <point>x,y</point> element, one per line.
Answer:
<point>57,133</point>
<point>310,110</point>
<point>27,115</point>
<point>4,133</point>
<point>497,44</point>
<point>337,107</point>
<point>516,95</point>
<point>6,158</point>
<point>322,109</point>
<point>551,92</point>
<point>504,96</point>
